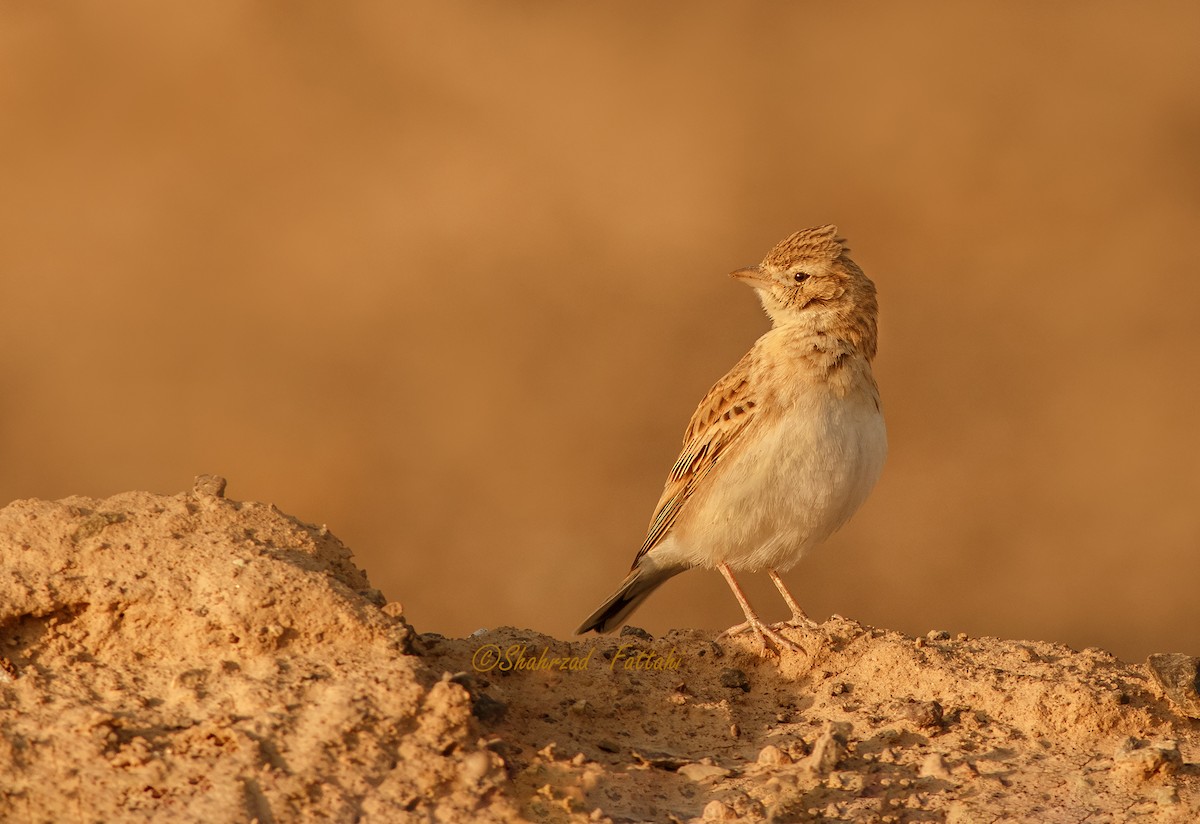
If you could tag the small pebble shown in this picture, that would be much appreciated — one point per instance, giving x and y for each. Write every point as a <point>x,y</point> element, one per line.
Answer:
<point>701,772</point>
<point>1142,760</point>
<point>735,679</point>
<point>924,714</point>
<point>475,767</point>
<point>716,811</point>
<point>773,756</point>
<point>488,709</point>
<point>209,486</point>
<point>636,632</point>
<point>1178,676</point>
<point>829,748</point>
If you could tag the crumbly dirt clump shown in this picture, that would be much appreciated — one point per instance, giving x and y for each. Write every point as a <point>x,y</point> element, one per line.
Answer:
<point>194,658</point>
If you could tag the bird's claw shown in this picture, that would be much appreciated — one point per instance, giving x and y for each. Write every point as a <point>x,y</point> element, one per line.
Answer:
<point>767,636</point>
<point>800,620</point>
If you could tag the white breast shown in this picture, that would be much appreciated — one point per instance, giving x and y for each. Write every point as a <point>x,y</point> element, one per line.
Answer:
<point>789,484</point>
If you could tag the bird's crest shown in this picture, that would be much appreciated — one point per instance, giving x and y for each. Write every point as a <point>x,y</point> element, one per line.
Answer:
<point>820,243</point>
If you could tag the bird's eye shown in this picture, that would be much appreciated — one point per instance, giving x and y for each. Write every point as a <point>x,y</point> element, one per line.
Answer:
<point>800,277</point>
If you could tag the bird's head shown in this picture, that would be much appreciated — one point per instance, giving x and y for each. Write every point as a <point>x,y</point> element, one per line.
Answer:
<point>809,278</point>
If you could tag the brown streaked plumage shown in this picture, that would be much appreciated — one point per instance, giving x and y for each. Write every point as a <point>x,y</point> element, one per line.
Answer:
<point>721,417</point>
<point>785,447</point>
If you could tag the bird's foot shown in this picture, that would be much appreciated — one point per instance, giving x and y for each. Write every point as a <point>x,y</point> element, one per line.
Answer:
<point>799,619</point>
<point>773,643</point>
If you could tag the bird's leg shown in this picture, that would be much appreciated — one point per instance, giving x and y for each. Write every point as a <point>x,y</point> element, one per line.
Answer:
<point>799,619</point>
<point>753,622</point>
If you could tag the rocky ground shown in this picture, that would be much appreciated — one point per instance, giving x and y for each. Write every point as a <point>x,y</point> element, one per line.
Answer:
<point>195,658</point>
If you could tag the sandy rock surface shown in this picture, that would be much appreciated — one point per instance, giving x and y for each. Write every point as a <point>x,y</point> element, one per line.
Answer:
<point>194,658</point>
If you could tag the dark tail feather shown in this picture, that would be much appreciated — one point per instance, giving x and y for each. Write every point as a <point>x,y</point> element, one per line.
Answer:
<point>638,584</point>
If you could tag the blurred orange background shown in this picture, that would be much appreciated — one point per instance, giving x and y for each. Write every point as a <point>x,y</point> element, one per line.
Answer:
<point>451,278</point>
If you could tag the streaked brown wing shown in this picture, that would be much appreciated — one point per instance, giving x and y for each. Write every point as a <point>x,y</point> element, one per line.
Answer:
<point>726,412</point>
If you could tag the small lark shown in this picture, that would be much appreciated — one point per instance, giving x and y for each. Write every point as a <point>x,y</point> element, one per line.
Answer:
<point>784,448</point>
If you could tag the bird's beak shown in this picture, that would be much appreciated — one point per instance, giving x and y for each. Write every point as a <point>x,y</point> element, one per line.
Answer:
<point>752,275</point>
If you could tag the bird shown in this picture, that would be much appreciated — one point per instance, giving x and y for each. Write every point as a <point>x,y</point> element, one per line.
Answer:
<point>783,449</point>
